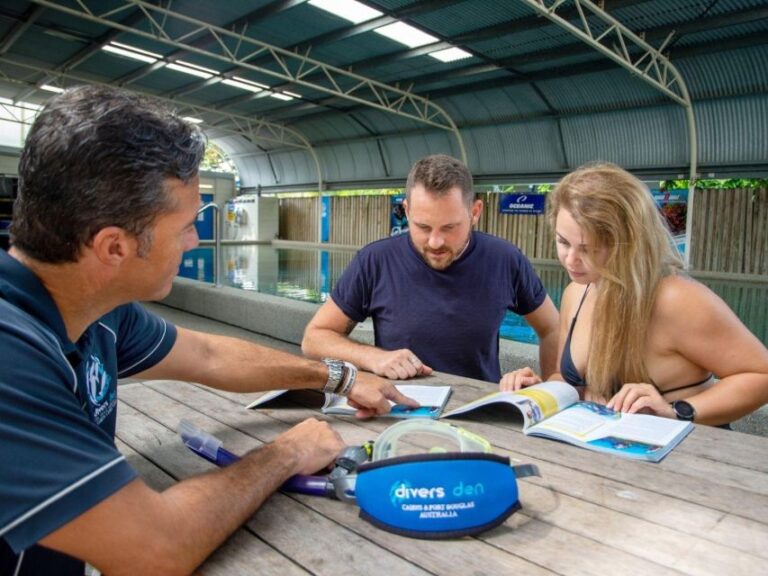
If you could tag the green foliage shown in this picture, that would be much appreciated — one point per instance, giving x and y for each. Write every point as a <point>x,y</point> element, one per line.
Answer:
<point>366,192</point>
<point>731,184</point>
<point>514,188</point>
<point>215,160</point>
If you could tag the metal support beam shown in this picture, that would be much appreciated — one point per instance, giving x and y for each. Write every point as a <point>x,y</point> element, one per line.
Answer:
<point>614,40</point>
<point>177,30</point>
<point>20,27</point>
<point>253,128</point>
<point>204,41</point>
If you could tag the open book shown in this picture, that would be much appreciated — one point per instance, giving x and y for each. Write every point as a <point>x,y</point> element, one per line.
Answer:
<point>431,398</point>
<point>553,410</point>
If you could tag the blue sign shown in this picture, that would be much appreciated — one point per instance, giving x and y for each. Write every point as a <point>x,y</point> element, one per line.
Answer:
<point>325,218</point>
<point>673,205</point>
<point>522,203</point>
<point>398,221</point>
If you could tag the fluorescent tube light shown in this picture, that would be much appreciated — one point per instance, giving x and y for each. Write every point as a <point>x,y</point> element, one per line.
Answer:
<point>129,53</point>
<point>246,81</point>
<point>350,10</point>
<point>406,34</point>
<point>450,54</point>
<point>189,70</point>
<point>135,49</point>
<point>50,88</point>
<point>241,85</point>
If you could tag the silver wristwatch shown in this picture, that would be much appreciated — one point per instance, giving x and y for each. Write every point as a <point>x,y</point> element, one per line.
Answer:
<point>335,375</point>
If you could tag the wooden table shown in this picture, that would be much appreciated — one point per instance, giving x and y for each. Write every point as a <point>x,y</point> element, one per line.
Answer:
<point>702,510</point>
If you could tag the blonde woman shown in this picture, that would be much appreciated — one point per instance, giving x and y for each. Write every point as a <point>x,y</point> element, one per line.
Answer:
<point>636,332</point>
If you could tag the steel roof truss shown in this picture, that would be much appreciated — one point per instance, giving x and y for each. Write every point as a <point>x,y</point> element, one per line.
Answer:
<point>235,48</point>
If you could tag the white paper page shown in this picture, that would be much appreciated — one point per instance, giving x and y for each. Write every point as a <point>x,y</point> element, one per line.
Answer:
<point>264,398</point>
<point>535,403</point>
<point>424,395</point>
<point>644,428</point>
<point>577,421</point>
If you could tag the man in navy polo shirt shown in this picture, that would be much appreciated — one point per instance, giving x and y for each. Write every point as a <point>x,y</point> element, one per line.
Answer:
<point>438,294</point>
<point>107,203</point>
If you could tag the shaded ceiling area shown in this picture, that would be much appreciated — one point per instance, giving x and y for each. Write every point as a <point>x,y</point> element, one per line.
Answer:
<point>300,97</point>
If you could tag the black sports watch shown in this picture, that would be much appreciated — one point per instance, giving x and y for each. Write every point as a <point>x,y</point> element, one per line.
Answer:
<point>684,410</point>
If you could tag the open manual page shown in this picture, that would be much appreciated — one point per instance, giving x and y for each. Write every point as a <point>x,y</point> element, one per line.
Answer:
<point>553,410</point>
<point>432,400</point>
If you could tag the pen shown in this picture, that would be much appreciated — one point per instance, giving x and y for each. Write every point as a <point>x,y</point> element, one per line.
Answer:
<point>211,448</point>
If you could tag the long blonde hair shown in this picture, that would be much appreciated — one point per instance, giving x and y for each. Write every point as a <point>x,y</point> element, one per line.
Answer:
<point>616,212</point>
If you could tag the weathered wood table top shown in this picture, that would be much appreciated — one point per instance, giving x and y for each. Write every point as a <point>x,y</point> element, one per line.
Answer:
<point>702,510</point>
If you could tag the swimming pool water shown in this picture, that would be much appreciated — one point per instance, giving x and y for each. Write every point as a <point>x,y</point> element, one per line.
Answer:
<point>310,274</point>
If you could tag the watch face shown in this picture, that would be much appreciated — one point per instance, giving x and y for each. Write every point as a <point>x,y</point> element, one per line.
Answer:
<point>684,410</point>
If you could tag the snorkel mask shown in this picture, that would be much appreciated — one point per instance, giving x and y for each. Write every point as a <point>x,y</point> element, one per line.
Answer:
<point>426,479</point>
<point>432,480</point>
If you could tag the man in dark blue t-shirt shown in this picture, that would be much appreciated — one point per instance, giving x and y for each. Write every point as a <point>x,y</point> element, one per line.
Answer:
<point>107,204</point>
<point>437,295</point>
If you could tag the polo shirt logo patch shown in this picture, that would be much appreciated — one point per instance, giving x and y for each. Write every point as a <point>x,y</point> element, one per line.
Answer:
<point>101,393</point>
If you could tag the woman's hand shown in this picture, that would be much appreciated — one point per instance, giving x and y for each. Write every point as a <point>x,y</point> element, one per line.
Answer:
<point>512,381</point>
<point>640,398</point>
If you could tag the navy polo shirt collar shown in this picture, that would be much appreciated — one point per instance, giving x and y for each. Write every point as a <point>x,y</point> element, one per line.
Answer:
<point>22,288</point>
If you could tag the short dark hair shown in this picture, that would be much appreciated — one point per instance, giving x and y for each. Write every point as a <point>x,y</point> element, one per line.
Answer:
<point>97,157</point>
<point>439,174</point>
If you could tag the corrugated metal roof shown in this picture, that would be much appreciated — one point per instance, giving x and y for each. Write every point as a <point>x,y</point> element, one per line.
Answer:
<point>733,131</point>
<point>644,138</point>
<point>727,73</point>
<point>532,98</point>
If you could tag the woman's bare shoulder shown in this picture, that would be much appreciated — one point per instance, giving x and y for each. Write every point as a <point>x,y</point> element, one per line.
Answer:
<point>681,296</point>
<point>571,296</point>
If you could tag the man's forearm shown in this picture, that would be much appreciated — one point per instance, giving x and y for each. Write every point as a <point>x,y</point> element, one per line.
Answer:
<point>219,502</point>
<point>140,531</point>
<point>548,354</point>
<point>236,365</point>
<point>326,343</point>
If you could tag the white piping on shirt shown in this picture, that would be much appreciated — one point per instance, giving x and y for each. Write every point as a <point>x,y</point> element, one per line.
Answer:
<point>54,340</point>
<point>59,495</point>
<point>18,564</point>
<point>108,329</point>
<point>162,337</point>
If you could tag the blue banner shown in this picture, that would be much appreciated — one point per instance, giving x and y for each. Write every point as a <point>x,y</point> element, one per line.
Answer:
<point>673,205</point>
<point>325,218</point>
<point>398,221</point>
<point>522,203</point>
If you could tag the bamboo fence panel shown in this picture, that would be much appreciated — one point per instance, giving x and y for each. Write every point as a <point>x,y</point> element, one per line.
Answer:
<point>760,232</point>
<point>730,227</point>
<point>359,220</point>
<point>730,231</point>
<point>299,219</point>
<point>337,263</point>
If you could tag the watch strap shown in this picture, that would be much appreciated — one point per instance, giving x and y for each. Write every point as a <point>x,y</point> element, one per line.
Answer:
<point>335,375</point>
